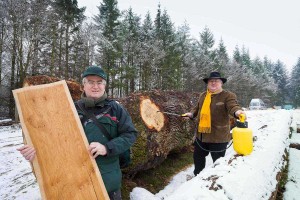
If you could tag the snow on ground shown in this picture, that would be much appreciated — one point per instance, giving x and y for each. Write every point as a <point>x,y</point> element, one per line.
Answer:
<point>243,177</point>
<point>16,178</point>
<point>293,184</point>
<point>232,177</point>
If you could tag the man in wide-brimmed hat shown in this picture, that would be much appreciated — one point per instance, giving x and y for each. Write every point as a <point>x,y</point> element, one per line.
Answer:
<point>213,112</point>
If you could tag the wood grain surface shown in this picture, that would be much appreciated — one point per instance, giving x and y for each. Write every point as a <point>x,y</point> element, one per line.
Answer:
<point>50,123</point>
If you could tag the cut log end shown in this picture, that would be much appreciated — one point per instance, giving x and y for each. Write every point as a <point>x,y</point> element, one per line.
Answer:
<point>150,115</point>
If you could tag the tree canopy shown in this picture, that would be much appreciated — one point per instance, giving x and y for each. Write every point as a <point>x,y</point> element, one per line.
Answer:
<point>138,53</point>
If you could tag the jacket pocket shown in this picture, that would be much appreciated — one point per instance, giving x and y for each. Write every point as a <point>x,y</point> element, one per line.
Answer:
<point>110,126</point>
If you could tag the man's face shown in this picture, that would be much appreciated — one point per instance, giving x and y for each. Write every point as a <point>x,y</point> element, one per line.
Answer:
<point>94,86</point>
<point>214,85</point>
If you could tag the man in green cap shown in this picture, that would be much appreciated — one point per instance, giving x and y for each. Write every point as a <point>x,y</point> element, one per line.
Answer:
<point>108,128</point>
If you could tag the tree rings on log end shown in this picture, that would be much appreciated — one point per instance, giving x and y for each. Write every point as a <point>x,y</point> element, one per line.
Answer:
<point>152,118</point>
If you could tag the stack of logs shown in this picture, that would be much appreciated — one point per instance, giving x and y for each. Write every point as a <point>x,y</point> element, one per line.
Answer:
<point>159,133</point>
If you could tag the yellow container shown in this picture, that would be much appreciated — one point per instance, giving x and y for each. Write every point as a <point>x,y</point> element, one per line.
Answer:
<point>242,138</point>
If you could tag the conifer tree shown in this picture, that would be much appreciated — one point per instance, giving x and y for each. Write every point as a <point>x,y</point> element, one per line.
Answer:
<point>294,85</point>
<point>107,22</point>
<point>183,41</point>
<point>129,35</point>
<point>281,79</point>
<point>168,66</point>
<point>71,17</point>
<point>245,58</point>
<point>237,55</point>
<point>222,56</point>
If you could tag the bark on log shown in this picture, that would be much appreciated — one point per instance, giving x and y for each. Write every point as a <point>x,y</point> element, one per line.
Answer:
<point>159,133</point>
<point>74,87</point>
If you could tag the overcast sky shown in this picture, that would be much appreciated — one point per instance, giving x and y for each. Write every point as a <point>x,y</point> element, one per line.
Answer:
<point>265,27</point>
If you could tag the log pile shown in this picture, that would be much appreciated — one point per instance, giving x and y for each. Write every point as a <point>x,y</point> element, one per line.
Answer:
<point>159,133</point>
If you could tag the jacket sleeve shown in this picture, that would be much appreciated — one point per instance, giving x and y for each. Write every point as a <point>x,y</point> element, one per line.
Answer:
<point>127,133</point>
<point>232,104</point>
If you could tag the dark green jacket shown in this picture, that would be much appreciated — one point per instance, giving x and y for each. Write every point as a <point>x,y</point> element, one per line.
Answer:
<point>119,124</point>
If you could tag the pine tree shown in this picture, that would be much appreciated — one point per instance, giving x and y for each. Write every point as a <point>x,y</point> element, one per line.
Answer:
<point>257,67</point>
<point>107,21</point>
<point>222,56</point>
<point>294,85</point>
<point>281,78</point>
<point>168,66</point>
<point>245,58</point>
<point>129,35</point>
<point>71,17</point>
<point>237,55</point>
<point>151,54</point>
<point>207,41</point>
<point>147,52</point>
<point>183,41</point>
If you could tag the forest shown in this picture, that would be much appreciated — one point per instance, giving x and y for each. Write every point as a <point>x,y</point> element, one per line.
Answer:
<point>139,53</point>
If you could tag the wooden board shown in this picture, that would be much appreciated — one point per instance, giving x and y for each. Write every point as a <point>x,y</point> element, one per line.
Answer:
<point>63,166</point>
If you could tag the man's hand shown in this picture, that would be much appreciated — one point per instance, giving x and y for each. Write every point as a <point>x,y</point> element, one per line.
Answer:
<point>239,112</point>
<point>97,149</point>
<point>27,152</point>
<point>187,115</point>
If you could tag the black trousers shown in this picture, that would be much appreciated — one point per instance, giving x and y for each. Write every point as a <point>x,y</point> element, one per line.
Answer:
<point>200,153</point>
<point>115,195</point>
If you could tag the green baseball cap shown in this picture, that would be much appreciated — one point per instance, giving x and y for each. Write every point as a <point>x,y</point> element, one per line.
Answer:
<point>94,70</point>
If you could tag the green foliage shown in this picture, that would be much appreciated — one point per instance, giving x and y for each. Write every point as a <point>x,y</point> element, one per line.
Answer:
<point>294,84</point>
<point>237,55</point>
<point>51,38</point>
<point>281,79</point>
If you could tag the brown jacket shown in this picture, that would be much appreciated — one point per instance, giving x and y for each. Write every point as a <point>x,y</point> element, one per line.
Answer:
<point>222,105</point>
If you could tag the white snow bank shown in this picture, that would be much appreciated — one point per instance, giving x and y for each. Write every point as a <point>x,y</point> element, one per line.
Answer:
<point>244,177</point>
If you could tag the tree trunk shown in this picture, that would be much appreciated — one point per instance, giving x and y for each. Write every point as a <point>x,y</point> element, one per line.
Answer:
<point>13,67</point>
<point>53,49</point>
<point>160,133</point>
<point>2,32</point>
<point>60,70</point>
<point>67,53</point>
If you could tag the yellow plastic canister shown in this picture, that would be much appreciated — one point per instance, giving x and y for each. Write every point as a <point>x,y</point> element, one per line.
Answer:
<point>242,138</point>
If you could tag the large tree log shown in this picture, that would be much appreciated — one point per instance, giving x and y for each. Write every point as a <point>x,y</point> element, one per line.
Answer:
<point>74,87</point>
<point>159,133</point>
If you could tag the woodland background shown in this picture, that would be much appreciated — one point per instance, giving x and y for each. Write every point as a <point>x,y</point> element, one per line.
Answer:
<point>139,53</point>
